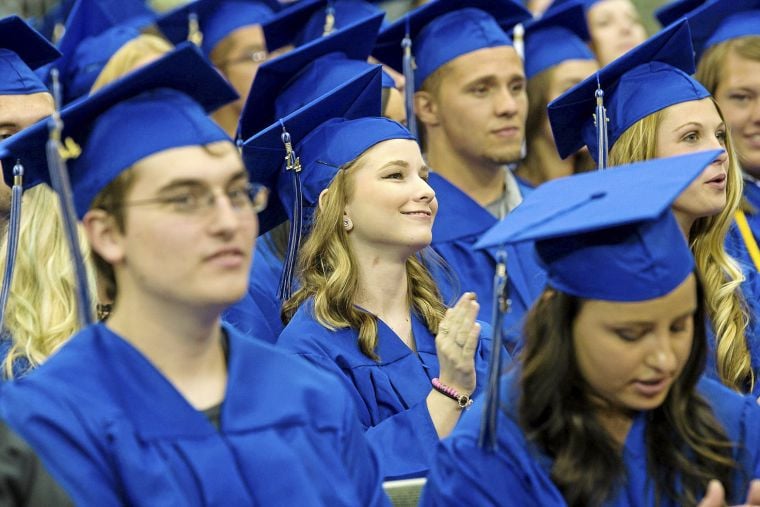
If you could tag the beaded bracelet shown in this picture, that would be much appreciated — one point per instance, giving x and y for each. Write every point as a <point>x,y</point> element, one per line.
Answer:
<point>463,400</point>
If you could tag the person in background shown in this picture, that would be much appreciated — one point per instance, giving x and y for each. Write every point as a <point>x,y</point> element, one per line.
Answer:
<point>606,405</point>
<point>156,404</point>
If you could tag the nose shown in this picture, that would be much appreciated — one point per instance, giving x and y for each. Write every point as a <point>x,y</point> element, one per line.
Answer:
<point>506,102</point>
<point>755,111</point>
<point>424,191</point>
<point>722,158</point>
<point>661,357</point>
<point>225,218</point>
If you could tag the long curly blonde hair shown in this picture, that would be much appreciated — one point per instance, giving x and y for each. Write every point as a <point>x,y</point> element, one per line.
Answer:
<point>328,273</point>
<point>720,273</point>
<point>42,307</point>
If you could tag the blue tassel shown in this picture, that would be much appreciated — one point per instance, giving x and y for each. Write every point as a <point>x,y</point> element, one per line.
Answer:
<point>59,178</point>
<point>13,232</point>
<point>408,67</point>
<point>488,439</point>
<point>600,121</point>
<point>292,163</point>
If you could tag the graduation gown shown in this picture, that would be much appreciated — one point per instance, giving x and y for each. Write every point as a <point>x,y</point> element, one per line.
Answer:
<point>390,393</point>
<point>518,474</point>
<point>113,431</point>
<point>459,224</point>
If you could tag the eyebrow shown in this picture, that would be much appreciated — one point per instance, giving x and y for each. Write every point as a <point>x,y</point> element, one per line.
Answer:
<point>644,323</point>
<point>401,163</point>
<point>697,124</point>
<point>194,182</point>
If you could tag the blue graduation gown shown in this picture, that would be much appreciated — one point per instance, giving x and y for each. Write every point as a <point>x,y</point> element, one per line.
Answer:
<point>459,224</point>
<point>390,394</point>
<point>258,313</point>
<point>113,431</point>
<point>519,474</point>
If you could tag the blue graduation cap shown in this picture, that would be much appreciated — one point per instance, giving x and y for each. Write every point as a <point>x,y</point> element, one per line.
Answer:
<point>563,3</point>
<point>445,29</point>
<point>331,15</point>
<point>675,10</point>
<point>207,22</point>
<point>294,79</point>
<point>160,106</point>
<point>316,141</point>
<point>95,30</point>
<point>609,234</point>
<point>720,20</point>
<point>22,49</point>
<point>652,76</point>
<point>557,36</point>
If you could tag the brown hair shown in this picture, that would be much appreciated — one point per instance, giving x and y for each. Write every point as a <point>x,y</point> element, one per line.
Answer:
<point>711,65</point>
<point>686,445</point>
<point>328,273</point>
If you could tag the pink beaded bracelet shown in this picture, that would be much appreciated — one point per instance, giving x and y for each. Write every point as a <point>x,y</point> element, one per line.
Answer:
<point>463,400</point>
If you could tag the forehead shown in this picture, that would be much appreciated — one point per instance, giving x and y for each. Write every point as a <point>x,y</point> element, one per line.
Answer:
<point>699,111</point>
<point>497,61</point>
<point>393,149</point>
<point>740,71</point>
<point>573,71</point>
<point>24,110</point>
<point>211,164</point>
<point>246,38</point>
<point>611,7</point>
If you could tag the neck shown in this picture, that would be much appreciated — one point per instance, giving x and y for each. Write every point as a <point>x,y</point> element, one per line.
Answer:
<point>616,423</point>
<point>183,343</point>
<point>382,283</point>
<point>542,163</point>
<point>685,221</point>
<point>482,180</point>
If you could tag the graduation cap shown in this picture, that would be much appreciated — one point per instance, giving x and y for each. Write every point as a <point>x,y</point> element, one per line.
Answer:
<point>437,32</point>
<point>22,49</point>
<point>95,30</point>
<point>315,141</point>
<point>208,22</point>
<point>331,15</point>
<point>607,235</point>
<point>160,106</point>
<point>652,76</point>
<point>557,36</point>
<point>674,11</point>
<point>563,3</point>
<point>719,20</point>
<point>294,79</point>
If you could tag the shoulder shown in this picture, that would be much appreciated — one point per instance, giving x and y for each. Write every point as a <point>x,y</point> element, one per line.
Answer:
<point>304,334</point>
<point>734,411</point>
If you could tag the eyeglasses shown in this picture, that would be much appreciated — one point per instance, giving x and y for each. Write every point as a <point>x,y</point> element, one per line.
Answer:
<point>251,57</point>
<point>201,200</point>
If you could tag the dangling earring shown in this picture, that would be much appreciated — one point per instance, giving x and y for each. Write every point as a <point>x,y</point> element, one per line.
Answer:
<point>347,224</point>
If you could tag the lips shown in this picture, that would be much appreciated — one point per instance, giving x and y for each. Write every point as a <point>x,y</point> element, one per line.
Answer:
<point>719,179</point>
<point>420,213</point>
<point>652,387</point>
<point>230,255</point>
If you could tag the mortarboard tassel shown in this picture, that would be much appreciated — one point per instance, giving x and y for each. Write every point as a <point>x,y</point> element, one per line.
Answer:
<point>408,67</point>
<point>194,33</point>
<point>329,26</point>
<point>14,225</point>
<point>518,40</point>
<point>292,163</point>
<point>600,121</point>
<point>57,154</point>
<point>488,439</point>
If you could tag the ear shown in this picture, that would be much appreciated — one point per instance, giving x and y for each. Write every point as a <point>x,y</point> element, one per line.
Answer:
<point>104,236</point>
<point>426,108</point>
<point>322,197</point>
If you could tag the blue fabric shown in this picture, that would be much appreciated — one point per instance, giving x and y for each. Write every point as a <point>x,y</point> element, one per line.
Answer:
<point>345,13</point>
<point>519,474</point>
<point>390,394</point>
<point>718,21</point>
<point>21,365</point>
<point>258,313</point>
<point>458,226</point>
<point>113,431</point>
<point>674,10</point>
<point>22,49</point>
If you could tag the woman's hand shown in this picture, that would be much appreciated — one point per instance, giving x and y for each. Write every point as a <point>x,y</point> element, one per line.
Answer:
<point>716,496</point>
<point>456,343</point>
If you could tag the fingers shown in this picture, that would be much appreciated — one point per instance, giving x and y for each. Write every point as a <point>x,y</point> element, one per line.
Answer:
<point>714,496</point>
<point>753,494</point>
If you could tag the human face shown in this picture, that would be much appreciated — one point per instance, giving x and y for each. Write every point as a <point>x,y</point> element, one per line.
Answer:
<point>689,127</point>
<point>391,205</point>
<point>615,28</point>
<point>18,112</point>
<point>198,260</point>
<point>738,94</point>
<point>246,51</point>
<point>482,104</point>
<point>564,76</point>
<point>630,353</point>
<point>394,106</point>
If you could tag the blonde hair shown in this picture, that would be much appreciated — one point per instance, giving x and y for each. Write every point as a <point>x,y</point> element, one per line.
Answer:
<point>42,307</point>
<point>720,273</point>
<point>328,273</point>
<point>711,66</point>
<point>129,56</point>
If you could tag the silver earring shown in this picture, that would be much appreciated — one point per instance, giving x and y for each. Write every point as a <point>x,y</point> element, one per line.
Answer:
<point>347,224</point>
